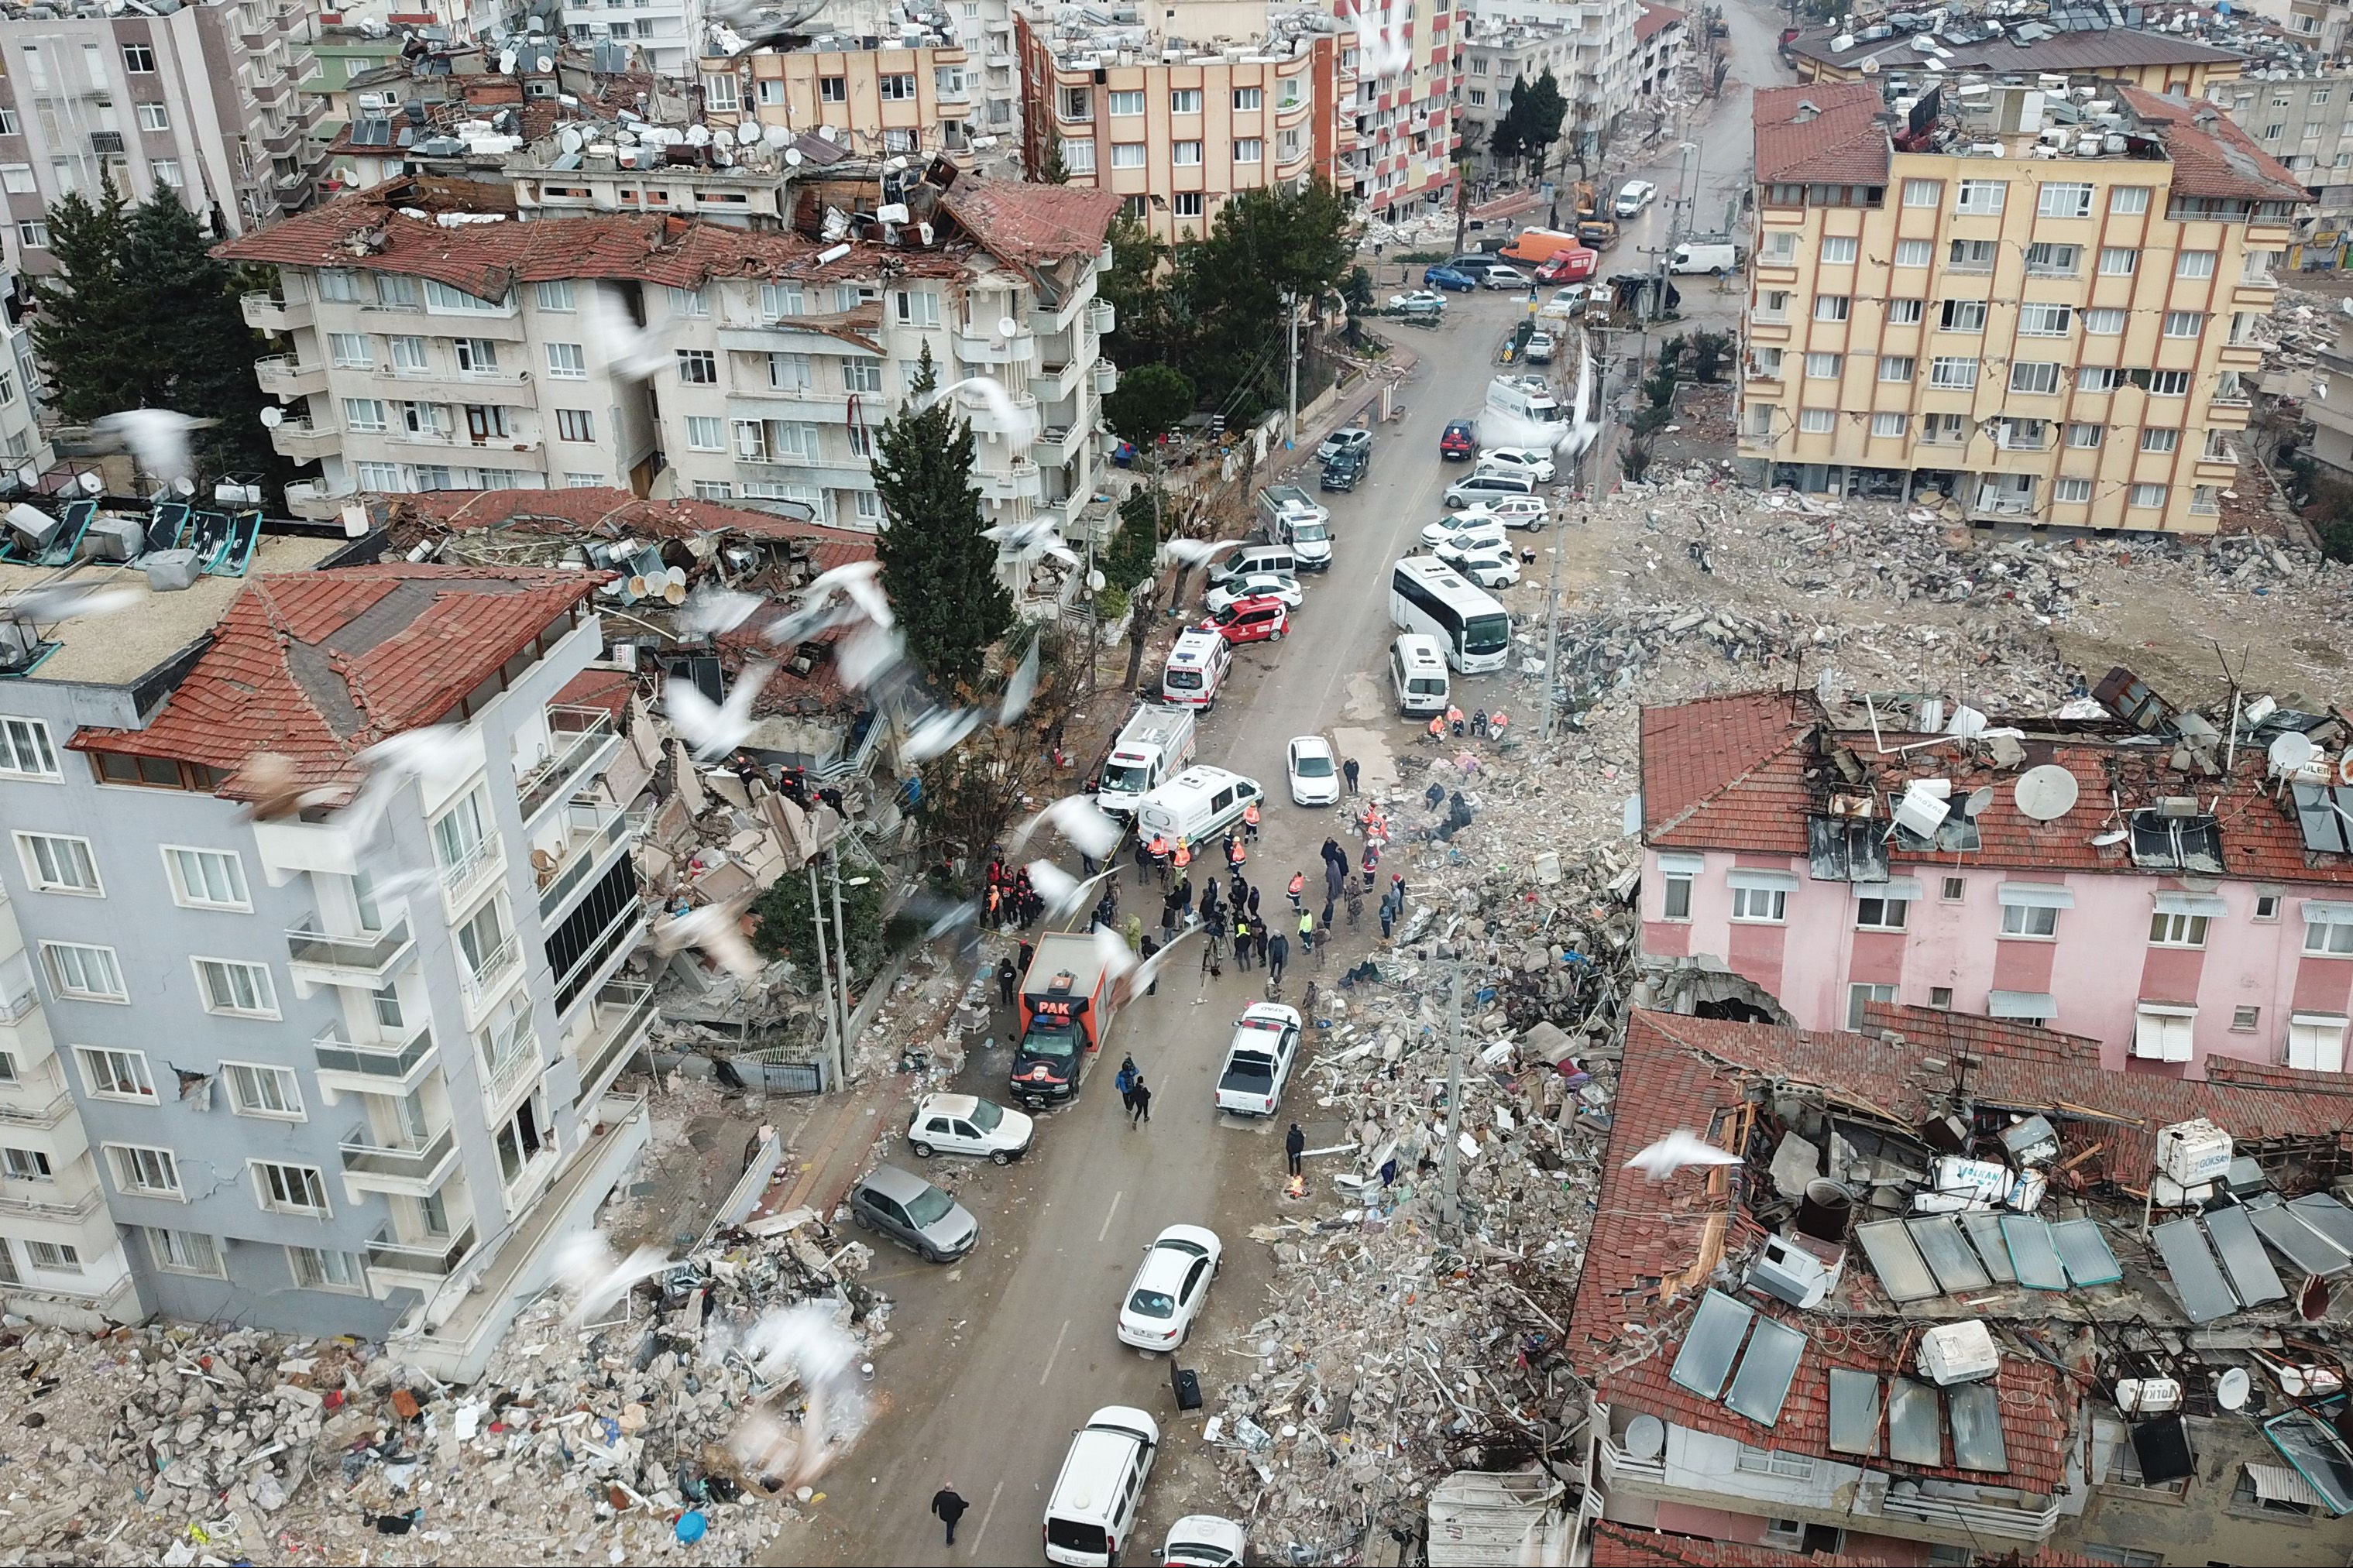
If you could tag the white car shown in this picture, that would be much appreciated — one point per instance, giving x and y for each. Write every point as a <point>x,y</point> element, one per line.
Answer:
<point>1481,488</point>
<point>1204,1541</point>
<point>1502,276</point>
<point>1533,461</point>
<point>1256,585</point>
<point>1315,778</point>
<point>1418,300</point>
<point>1512,512</point>
<point>1468,532</point>
<point>1633,196</point>
<point>1169,1287</point>
<point>963,1125</point>
<point>1489,567</point>
<point>1565,303</point>
<point>1259,1060</point>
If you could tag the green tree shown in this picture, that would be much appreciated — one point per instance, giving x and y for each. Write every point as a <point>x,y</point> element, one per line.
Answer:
<point>787,932</point>
<point>1540,111</point>
<point>1151,401</point>
<point>940,573</point>
<point>1508,144</point>
<point>199,336</point>
<point>97,353</point>
<point>1356,290</point>
<point>1053,171</point>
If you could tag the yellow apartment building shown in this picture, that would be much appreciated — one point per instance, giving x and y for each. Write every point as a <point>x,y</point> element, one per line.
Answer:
<point>877,100</point>
<point>2160,61</point>
<point>2042,305</point>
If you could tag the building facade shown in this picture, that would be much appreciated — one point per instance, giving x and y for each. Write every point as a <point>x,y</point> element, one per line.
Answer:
<point>200,103</point>
<point>875,101</point>
<point>694,360</point>
<point>329,1072</point>
<point>1601,78</point>
<point>2306,122</point>
<point>1495,56</point>
<point>2066,339</point>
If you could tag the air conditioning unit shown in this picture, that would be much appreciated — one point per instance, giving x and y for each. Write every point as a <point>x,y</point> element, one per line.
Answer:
<point>1959,1353</point>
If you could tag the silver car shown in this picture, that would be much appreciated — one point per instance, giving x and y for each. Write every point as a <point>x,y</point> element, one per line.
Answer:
<point>914,1214</point>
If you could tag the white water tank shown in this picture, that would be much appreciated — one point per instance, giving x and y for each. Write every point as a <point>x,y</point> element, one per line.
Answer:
<point>1959,1353</point>
<point>2192,1152</point>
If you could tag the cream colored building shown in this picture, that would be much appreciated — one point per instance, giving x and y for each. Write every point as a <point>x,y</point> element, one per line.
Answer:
<point>873,100</point>
<point>2057,336</point>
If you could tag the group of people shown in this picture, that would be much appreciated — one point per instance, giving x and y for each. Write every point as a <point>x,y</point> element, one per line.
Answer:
<point>1481,726</point>
<point>1009,902</point>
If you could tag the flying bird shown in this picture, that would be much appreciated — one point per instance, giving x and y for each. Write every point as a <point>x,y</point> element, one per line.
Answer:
<point>717,930</point>
<point>715,729</point>
<point>438,756</point>
<point>586,1271</point>
<point>1063,893</point>
<point>714,612</point>
<point>1681,1147</point>
<point>1079,820</point>
<point>869,652</point>
<point>278,792</point>
<point>1019,425</point>
<point>1382,50</point>
<point>861,583</point>
<point>158,438</point>
<point>937,733</point>
<point>1194,552</point>
<point>1021,690</point>
<point>66,601</point>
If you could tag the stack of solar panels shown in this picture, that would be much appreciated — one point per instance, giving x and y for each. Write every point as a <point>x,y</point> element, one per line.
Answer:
<point>1718,1332</point>
<point>1914,1432</point>
<point>1941,1254</point>
<point>2312,1233</point>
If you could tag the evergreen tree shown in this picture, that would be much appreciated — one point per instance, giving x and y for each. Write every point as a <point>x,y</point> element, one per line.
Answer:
<point>203,349</point>
<point>99,355</point>
<point>1053,171</point>
<point>1540,110</point>
<point>940,573</point>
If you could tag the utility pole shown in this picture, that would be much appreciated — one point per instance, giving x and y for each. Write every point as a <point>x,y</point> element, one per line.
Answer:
<point>1560,544</point>
<point>840,958</point>
<point>833,1049</point>
<point>1449,1209</point>
<point>1094,618</point>
<point>1291,402</point>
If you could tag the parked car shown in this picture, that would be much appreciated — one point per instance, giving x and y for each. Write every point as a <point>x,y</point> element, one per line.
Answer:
<point>1420,301</point>
<point>1479,488</point>
<point>1490,566</point>
<point>1534,461</point>
<point>1204,1541</point>
<point>1170,1287</point>
<point>1346,471</point>
<point>1261,618</point>
<point>1454,278</point>
<point>1354,439</point>
<point>1314,781</point>
<point>1503,275</point>
<point>1465,532</point>
<point>1460,443</point>
<point>1256,585</point>
<point>1539,347</point>
<point>1565,303</point>
<point>965,1124</point>
<point>914,1213</point>
<point>1099,1490</point>
<point>1258,1059</point>
<point>1633,196</point>
<point>1512,511</point>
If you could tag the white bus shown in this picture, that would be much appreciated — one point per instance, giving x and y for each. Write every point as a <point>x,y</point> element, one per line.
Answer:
<point>1430,597</point>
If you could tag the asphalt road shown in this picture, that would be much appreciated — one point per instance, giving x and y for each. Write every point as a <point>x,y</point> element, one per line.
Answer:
<point>995,1361</point>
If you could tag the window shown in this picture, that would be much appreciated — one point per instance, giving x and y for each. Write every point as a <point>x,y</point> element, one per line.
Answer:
<point>16,179</point>
<point>167,173</point>
<point>1915,252</point>
<point>713,490</point>
<point>698,367</point>
<point>575,425</point>
<point>1979,197</point>
<point>2161,1032</point>
<point>567,362</point>
<point>1763,904</point>
<point>689,303</point>
<point>409,353</point>
<point>1961,316</point>
<point>1779,245</point>
<point>291,1189</point>
<point>836,89</point>
<point>1817,421</point>
<point>232,986</point>
<point>460,835</point>
<point>2072,491</point>
<point>1250,98</point>
<point>26,1165</point>
<point>183,1251</point>
<point>350,349</point>
<point>2171,383</point>
<point>555,294</point>
<point>1831,307</point>
<point>2244,1019</point>
<point>340,285</point>
<point>1127,154</point>
<point>898,86</point>
<point>2052,260</point>
<point>1837,249</point>
<point>477,355</point>
<point>154,117</point>
<point>2170,929</point>
<point>2057,200</point>
<point>1078,155</point>
<point>84,973</point>
<point>2315,1041</point>
<point>576,481</point>
<point>1773,1462</point>
<point>917,307</point>
<point>2033,375</point>
<point>1889,425</point>
<point>318,1268</point>
<point>1879,913</point>
<point>2160,439</point>
<point>55,864</point>
<point>705,434</point>
<point>2118,261</point>
<point>1824,367</point>
<point>2126,201</point>
<point>2184,324</point>
<point>1896,367</point>
<point>2267,906</point>
<point>394,292</point>
<point>2194,264</point>
<point>143,1171</point>
<point>2028,920</point>
<point>1181,101</point>
<point>56,1257</point>
<point>2328,930</point>
<point>382,478</point>
<point>2149,495</point>
<point>112,1074</point>
<point>2098,378</point>
<point>2103,321</point>
<point>1955,890</point>
<point>1952,375</point>
<point>1922,193</point>
<point>8,123</point>
<point>1773,305</point>
<point>1856,995</point>
<point>33,235</point>
<point>2040,321</point>
<point>1906,312</point>
<point>139,59</point>
<point>1185,154</point>
<point>862,375</point>
<point>723,92</point>
<point>1676,895</point>
<point>363,416</point>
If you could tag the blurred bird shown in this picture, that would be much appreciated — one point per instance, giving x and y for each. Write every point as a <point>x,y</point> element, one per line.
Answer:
<point>861,583</point>
<point>277,793</point>
<point>1079,820</point>
<point>1678,1149</point>
<point>937,733</point>
<point>438,756</point>
<point>636,352</point>
<point>715,729</point>
<point>1063,893</point>
<point>869,652</point>
<point>586,1271</point>
<point>1021,690</point>
<point>1382,50</point>
<point>1018,425</point>
<point>55,602</point>
<point>1194,552</point>
<point>158,438</point>
<point>1021,536</point>
<point>715,612</point>
<point>717,930</point>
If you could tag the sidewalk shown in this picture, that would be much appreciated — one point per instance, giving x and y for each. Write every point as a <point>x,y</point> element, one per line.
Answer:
<point>831,1148</point>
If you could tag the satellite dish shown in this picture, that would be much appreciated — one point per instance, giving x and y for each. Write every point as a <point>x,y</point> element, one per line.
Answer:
<point>2231,1389</point>
<point>185,485</point>
<point>1980,798</point>
<point>792,157</point>
<point>1646,1437</point>
<point>570,140</point>
<point>1008,327</point>
<point>546,62</point>
<point>2292,752</point>
<point>2045,794</point>
<point>2114,835</point>
<point>273,418</point>
<point>91,484</point>
<point>1869,65</point>
<point>747,132</point>
<point>1095,579</point>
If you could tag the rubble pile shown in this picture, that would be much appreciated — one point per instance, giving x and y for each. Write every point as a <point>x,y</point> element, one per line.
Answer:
<point>661,1426</point>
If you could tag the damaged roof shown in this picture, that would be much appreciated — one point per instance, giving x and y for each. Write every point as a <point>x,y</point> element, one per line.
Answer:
<point>612,513</point>
<point>2212,156</point>
<point>1824,133</point>
<point>2110,48</point>
<point>1026,224</point>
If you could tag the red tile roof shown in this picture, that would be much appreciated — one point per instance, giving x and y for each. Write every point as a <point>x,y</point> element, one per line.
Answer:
<point>1650,19</point>
<point>1824,133</point>
<point>608,513</point>
<point>1630,1546</point>
<point>1026,224</point>
<point>316,667</point>
<point>1734,773</point>
<point>2212,155</point>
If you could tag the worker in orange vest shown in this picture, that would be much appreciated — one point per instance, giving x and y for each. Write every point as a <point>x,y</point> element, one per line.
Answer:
<point>1437,727</point>
<point>1250,822</point>
<point>1182,856</point>
<point>1497,722</point>
<point>1454,719</point>
<point>1298,886</point>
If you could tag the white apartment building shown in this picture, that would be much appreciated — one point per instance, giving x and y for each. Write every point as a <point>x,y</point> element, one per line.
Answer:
<point>199,100</point>
<point>1498,54</point>
<point>23,447</point>
<point>686,358</point>
<point>667,32</point>
<point>1603,65</point>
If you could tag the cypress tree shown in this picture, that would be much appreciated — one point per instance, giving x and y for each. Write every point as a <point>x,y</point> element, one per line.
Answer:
<point>97,354</point>
<point>940,573</point>
<point>205,349</point>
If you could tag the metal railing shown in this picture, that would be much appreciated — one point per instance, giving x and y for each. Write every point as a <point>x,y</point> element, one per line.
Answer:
<point>39,1208</point>
<point>479,981</point>
<point>581,854</point>
<point>423,1257</point>
<point>370,953</point>
<point>46,1114</point>
<point>414,1159</point>
<point>460,874</point>
<point>635,1000</point>
<point>387,1059</point>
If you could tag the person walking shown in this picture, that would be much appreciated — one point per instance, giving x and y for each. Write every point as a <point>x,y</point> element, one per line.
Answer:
<point>947,1507</point>
<point>1298,886</point>
<point>1241,942</point>
<point>1307,935</point>
<point>1294,1144</point>
<point>1140,1106</point>
<point>1006,980</point>
<point>1250,823</point>
<point>1126,1083</point>
<point>1278,953</point>
<point>1150,949</point>
<point>1348,771</point>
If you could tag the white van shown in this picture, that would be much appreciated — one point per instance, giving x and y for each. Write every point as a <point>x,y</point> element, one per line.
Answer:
<point>1418,673</point>
<point>1279,559</point>
<point>1196,669</point>
<point>1092,1510</point>
<point>1195,805</point>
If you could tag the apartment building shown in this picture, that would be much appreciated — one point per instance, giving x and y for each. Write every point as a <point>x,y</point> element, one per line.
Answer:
<point>876,101</point>
<point>325,1070</point>
<point>24,450</point>
<point>2042,307</point>
<point>1495,55</point>
<point>2179,907</point>
<point>1963,42</point>
<point>1661,42</point>
<point>1600,77</point>
<point>199,100</point>
<point>2305,121</point>
<point>2330,407</point>
<point>682,358</point>
<point>1405,132</point>
<point>668,34</point>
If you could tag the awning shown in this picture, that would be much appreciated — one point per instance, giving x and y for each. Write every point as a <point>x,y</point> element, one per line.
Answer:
<point>1753,876</point>
<point>2036,895</point>
<point>1908,889</point>
<point>2278,1483</point>
<point>1675,864</point>
<point>2321,913</point>
<point>2022,1005</point>
<point>2205,904</point>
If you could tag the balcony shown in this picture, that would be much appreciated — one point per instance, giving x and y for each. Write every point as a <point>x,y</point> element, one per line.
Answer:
<point>584,741</point>
<point>412,1167</point>
<point>1106,378</point>
<point>265,313</point>
<point>44,1116</point>
<point>1053,383</point>
<point>989,419</point>
<point>375,1067</point>
<point>303,441</point>
<point>981,344</point>
<point>17,996</point>
<point>482,982</point>
<point>590,836</point>
<point>1023,481</point>
<point>620,933</point>
<point>1058,443</point>
<point>619,1016</point>
<point>435,1259</point>
<point>1104,316</point>
<point>366,961</point>
<point>472,871</point>
<point>50,1208</point>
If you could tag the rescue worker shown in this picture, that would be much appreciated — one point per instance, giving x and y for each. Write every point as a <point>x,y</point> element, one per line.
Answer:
<point>1250,822</point>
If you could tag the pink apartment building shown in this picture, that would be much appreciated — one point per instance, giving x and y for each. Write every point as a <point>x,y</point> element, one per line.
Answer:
<point>2191,902</point>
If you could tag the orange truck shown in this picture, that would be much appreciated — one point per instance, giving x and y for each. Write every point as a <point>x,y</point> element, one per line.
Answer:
<point>1534,247</point>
